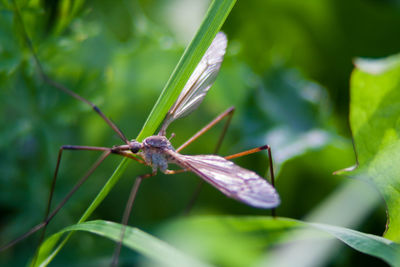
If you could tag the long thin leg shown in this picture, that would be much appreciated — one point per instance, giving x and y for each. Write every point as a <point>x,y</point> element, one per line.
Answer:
<point>195,196</point>
<point>255,150</point>
<point>271,165</point>
<point>68,196</point>
<point>76,187</point>
<point>130,155</point>
<point>175,171</point>
<point>127,213</point>
<point>227,113</point>
<point>59,86</point>
<point>237,155</point>
<point>53,183</point>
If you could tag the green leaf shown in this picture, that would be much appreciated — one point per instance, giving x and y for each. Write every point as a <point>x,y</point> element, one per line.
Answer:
<point>46,255</point>
<point>242,238</point>
<point>374,119</point>
<point>249,237</point>
<point>210,26</point>
<point>366,243</point>
<point>137,240</point>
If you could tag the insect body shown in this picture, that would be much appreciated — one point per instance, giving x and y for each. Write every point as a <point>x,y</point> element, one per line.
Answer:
<point>154,150</point>
<point>232,180</point>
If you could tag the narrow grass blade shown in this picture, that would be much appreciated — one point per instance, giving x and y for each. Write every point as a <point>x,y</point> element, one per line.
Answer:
<point>211,25</point>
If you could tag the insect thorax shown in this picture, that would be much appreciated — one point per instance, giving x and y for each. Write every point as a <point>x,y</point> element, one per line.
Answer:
<point>157,141</point>
<point>153,151</point>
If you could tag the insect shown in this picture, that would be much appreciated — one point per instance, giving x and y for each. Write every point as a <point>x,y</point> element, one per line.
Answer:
<point>157,152</point>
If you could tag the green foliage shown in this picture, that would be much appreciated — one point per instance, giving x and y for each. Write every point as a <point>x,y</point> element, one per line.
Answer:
<point>213,21</point>
<point>374,118</point>
<point>244,238</point>
<point>138,240</point>
<point>287,71</point>
<point>248,237</point>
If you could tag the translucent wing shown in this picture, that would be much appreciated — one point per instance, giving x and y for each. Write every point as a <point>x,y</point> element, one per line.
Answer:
<point>200,81</point>
<point>232,180</point>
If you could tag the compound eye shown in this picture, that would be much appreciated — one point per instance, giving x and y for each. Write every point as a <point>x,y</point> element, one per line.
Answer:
<point>135,147</point>
<point>135,150</point>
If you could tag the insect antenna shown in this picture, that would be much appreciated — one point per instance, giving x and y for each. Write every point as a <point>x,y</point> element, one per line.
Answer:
<point>49,216</point>
<point>60,86</point>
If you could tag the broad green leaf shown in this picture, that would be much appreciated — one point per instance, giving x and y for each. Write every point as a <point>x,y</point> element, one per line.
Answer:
<point>247,239</point>
<point>46,252</point>
<point>375,123</point>
<point>369,244</point>
<point>137,240</point>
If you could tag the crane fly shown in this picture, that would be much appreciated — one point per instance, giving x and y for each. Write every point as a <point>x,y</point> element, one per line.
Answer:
<point>232,180</point>
<point>157,152</point>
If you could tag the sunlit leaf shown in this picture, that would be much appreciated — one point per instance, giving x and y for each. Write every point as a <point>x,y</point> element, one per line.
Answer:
<point>137,240</point>
<point>374,118</point>
<point>253,237</point>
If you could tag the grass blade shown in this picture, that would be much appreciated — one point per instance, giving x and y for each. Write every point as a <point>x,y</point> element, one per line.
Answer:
<point>211,25</point>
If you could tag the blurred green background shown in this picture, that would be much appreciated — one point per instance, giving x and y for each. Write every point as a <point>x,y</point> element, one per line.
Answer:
<point>286,71</point>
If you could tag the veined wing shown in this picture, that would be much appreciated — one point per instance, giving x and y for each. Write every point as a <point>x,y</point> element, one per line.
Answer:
<point>200,81</point>
<point>232,180</point>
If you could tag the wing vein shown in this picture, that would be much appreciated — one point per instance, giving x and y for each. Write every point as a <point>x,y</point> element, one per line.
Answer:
<point>232,180</point>
<point>199,82</point>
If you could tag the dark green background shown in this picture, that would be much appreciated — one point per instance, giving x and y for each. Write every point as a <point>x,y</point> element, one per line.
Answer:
<point>287,71</point>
